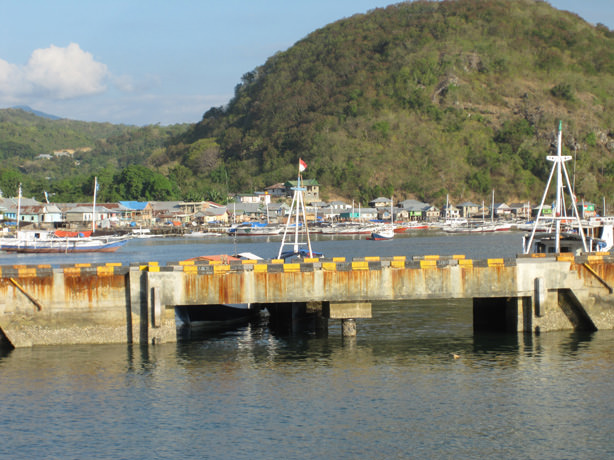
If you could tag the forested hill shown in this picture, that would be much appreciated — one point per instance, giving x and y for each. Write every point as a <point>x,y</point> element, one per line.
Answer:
<point>117,154</point>
<point>421,99</point>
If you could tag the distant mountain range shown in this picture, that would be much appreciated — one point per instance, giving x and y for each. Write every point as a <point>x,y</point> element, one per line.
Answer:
<point>38,113</point>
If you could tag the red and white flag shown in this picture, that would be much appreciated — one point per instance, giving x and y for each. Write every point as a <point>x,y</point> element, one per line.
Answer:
<point>302,166</point>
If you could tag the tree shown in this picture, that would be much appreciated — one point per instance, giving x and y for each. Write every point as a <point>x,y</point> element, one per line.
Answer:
<point>9,182</point>
<point>140,183</point>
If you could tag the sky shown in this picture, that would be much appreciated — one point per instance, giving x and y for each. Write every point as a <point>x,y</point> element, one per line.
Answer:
<point>161,61</point>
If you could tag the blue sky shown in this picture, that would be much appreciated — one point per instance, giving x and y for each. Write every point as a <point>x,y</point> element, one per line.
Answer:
<point>155,61</point>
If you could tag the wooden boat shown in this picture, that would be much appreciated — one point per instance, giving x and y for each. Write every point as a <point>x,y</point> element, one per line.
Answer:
<point>60,241</point>
<point>255,229</point>
<point>382,234</point>
<point>416,225</point>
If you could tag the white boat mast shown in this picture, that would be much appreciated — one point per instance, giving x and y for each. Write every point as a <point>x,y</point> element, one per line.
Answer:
<point>391,211</point>
<point>18,207</point>
<point>94,205</point>
<point>559,213</point>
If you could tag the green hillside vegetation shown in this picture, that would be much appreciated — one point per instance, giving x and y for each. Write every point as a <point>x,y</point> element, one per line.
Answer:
<point>419,99</point>
<point>424,99</point>
<point>115,152</point>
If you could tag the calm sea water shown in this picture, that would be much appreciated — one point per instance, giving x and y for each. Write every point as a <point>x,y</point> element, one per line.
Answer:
<point>165,250</point>
<point>394,391</point>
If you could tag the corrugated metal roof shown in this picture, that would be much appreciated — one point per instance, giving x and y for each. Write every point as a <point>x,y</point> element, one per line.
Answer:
<point>134,205</point>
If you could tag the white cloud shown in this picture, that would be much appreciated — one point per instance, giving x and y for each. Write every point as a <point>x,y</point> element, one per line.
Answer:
<point>12,83</point>
<point>54,72</point>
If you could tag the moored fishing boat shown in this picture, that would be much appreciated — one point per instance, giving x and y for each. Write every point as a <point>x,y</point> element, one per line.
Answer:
<point>255,229</point>
<point>416,225</point>
<point>382,234</point>
<point>569,233</point>
<point>45,241</point>
<point>349,228</point>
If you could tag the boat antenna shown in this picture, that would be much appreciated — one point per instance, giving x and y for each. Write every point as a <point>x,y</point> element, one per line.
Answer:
<point>558,166</point>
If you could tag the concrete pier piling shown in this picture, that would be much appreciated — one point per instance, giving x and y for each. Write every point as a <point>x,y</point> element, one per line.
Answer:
<point>348,327</point>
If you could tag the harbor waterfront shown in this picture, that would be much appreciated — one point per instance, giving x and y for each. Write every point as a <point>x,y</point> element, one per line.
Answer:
<point>150,303</point>
<point>416,382</point>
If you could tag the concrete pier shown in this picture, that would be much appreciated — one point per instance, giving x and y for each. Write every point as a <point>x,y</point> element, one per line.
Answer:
<point>112,303</point>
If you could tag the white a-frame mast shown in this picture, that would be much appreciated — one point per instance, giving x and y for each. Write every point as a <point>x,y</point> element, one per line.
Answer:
<point>558,213</point>
<point>297,209</point>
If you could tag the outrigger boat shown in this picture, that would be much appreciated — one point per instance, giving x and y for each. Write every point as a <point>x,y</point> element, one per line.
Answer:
<point>568,234</point>
<point>60,241</point>
<point>43,241</point>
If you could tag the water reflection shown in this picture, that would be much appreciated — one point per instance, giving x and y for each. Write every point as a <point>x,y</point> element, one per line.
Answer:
<point>393,391</point>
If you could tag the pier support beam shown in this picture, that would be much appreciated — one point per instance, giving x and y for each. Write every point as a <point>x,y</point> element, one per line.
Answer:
<point>347,312</point>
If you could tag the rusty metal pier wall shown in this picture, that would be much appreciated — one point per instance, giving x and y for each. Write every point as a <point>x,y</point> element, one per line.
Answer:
<point>112,303</point>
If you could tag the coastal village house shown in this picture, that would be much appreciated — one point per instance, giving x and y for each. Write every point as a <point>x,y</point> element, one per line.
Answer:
<point>212,215</point>
<point>400,214</point>
<point>276,190</point>
<point>327,213</point>
<point>380,202</point>
<point>340,206</point>
<point>257,197</point>
<point>276,212</point>
<point>82,215</point>
<point>415,209</point>
<point>139,212</point>
<point>312,189</point>
<point>431,213</point>
<point>245,212</point>
<point>502,211</point>
<point>469,209</point>
<point>521,210</point>
<point>29,214</point>
<point>367,214</point>
<point>450,212</point>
